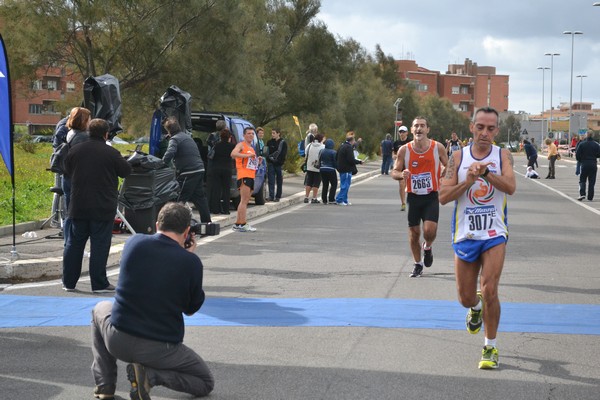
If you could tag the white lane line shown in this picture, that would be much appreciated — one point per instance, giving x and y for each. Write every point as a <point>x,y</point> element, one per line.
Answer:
<point>579,203</point>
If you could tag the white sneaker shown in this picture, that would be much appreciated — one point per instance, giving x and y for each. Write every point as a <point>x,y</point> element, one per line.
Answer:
<point>246,228</point>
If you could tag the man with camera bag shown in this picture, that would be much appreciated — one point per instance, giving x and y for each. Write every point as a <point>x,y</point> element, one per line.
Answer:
<point>160,280</point>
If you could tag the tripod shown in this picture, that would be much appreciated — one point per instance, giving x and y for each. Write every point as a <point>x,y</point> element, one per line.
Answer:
<point>56,220</point>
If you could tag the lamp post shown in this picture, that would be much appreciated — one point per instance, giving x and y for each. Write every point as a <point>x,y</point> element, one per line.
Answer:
<point>397,105</point>
<point>551,85</point>
<point>581,90</point>
<point>542,115</point>
<point>572,33</point>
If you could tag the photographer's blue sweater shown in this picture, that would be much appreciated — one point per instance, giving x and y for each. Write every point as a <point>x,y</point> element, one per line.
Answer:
<point>159,281</point>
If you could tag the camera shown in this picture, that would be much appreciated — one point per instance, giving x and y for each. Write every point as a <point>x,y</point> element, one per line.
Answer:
<point>201,229</point>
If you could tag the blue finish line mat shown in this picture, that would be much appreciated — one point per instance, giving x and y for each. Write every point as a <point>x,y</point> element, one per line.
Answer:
<point>36,311</point>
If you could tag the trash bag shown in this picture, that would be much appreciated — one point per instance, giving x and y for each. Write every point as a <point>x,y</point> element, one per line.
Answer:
<point>144,189</point>
<point>101,95</point>
<point>141,162</point>
<point>177,103</point>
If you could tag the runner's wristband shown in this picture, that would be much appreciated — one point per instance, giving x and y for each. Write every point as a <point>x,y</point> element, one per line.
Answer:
<point>487,171</point>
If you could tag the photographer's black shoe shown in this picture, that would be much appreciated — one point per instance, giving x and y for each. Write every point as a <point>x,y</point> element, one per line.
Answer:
<point>140,386</point>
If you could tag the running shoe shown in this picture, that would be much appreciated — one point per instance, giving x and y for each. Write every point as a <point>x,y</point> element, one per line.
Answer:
<point>489,358</point>
<point>246,228</point>
<point>427,256</point>
<point>474,320</point>
<point>403,207</point>
<point>417,271</point>
<point>315,201</point>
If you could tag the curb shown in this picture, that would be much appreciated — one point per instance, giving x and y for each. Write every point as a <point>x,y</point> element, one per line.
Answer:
<point>41,267</point>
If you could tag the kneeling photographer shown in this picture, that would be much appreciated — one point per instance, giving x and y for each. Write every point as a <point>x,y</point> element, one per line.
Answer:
<point>160,280</point>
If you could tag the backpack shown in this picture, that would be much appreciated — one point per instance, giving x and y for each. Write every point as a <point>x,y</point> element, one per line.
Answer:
<point>57,158</point>
<point>301,148</point>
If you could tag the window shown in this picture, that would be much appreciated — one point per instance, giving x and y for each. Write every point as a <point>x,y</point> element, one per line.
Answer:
<point>455,90</point>
<point>48,107</point>
<point>35,109</point>
<point>464,89</point>
<point>36,85</point>
<point>70,86</point>
<point>422,87</point>
<point>52,85</point>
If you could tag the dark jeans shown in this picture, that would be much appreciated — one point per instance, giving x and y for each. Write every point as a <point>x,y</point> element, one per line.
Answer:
<point>66,187</point>
<point>192,189</point>
<point>386,164</point>
<point>219,185</point>
<point>100,235</point>
<point>173,365</point>
<point>329,179</point>
<point>274,175</point>
<point>589,169</point>
<point>531,161</point>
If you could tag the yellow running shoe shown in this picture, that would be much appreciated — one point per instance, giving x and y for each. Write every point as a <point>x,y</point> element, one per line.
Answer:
<point>489,358</point>
<point>474,320</point>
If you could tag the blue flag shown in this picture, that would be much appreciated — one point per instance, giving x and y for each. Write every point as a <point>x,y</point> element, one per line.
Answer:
<point>6,142</point>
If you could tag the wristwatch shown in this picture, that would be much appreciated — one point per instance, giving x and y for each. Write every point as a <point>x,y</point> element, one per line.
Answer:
<point>487,171</point>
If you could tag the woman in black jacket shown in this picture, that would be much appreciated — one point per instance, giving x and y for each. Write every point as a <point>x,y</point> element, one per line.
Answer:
<point>219,175</point>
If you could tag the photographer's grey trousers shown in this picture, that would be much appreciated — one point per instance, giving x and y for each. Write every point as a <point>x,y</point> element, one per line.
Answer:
<point>175,366</point>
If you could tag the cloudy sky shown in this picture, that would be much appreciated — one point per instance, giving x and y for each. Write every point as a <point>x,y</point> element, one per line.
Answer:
<point>512,35</point>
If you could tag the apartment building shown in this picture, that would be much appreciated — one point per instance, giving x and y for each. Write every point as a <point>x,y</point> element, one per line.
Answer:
<point>584,117</point>
<point>40,103</point>
<point>468,86</point>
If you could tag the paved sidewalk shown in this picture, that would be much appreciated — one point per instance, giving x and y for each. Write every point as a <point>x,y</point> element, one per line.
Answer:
<point>41,257</point>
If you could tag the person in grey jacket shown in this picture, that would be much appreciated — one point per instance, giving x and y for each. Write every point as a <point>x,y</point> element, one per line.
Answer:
<point>312,179</point>
<point>183,151</point>
<point>328,173</point>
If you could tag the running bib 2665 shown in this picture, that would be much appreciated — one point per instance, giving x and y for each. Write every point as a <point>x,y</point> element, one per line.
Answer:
<point>421,183</point>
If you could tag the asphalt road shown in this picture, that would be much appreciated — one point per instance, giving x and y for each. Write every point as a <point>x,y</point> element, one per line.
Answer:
<point>317,304</point>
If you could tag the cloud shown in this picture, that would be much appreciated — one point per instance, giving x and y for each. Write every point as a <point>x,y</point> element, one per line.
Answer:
<point>511,36</point>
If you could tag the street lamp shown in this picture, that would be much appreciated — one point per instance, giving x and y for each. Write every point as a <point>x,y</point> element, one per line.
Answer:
<point>581,92</point>
<point>543,109</point>
<point>572,33</point>
<point>551,84</point>
<point>397,105</point>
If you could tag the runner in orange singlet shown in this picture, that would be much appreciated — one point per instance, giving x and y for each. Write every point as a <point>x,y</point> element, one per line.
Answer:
<point>246,163</point>
<point>419,164</point>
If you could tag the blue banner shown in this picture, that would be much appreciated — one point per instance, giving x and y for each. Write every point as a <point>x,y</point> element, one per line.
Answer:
<point>5,111</point>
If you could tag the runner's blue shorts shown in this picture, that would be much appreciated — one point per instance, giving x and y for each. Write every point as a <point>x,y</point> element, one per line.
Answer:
<point>470,250</point>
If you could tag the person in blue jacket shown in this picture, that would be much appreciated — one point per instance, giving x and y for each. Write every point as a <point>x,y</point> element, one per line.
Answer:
<point>328,173</point>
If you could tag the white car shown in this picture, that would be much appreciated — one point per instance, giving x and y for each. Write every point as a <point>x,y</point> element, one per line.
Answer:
<point>118,140</point>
